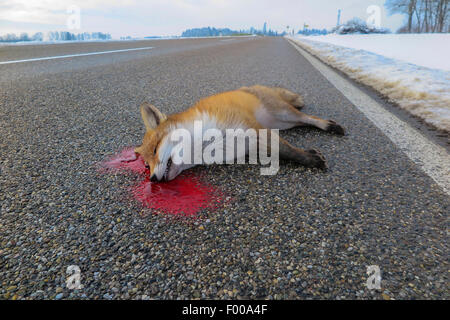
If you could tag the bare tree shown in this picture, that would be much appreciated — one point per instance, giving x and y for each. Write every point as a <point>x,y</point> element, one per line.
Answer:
<point>423,15</point>
<point>403,7</point>
<point>443,15</point>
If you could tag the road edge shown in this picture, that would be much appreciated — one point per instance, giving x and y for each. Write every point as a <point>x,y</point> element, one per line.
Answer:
<point>432,159</point>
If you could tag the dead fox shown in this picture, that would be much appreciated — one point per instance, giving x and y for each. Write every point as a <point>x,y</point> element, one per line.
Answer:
<point>256,107</point>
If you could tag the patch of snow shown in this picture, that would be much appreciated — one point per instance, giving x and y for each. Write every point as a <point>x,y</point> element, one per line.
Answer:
<point>431,50</point>
<point>386,63</point>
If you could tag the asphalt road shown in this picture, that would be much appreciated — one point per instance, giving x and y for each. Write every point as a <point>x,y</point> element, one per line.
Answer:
<point>300,234</point>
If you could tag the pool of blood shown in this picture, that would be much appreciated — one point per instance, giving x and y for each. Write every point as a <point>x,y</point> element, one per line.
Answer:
<point>186,195</point>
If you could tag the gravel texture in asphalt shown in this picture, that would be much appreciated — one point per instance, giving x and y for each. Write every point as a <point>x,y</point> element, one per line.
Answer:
<point>300,234</point>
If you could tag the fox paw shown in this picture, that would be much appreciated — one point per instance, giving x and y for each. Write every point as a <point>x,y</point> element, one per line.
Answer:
<point>317,160</point>
<point>333,127</point>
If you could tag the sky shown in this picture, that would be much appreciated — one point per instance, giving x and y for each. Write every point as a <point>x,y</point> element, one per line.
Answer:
<point>138,18</point>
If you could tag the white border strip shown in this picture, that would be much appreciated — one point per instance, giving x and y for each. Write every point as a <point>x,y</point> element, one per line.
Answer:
<point>74,55</point>
<point>434,160</point>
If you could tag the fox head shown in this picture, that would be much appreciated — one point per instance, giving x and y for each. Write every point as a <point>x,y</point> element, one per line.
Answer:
<point>156,148</point>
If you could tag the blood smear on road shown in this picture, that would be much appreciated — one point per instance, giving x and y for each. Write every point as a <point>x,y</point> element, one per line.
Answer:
<point>186,195</point>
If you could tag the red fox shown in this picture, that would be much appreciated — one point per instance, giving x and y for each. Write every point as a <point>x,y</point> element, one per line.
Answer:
<point>257,107</point>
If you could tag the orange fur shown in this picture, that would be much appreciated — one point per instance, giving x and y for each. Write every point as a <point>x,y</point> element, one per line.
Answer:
<point>253,107</point>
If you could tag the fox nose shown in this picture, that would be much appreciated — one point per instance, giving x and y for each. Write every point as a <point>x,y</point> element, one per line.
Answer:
<point>153,178</point>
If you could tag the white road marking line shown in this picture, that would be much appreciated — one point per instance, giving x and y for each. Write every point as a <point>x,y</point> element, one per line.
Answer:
<point>433,159</point>
<point>74,55</point>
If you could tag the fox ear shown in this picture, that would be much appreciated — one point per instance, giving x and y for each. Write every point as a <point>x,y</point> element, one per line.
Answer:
<point>151,115</point>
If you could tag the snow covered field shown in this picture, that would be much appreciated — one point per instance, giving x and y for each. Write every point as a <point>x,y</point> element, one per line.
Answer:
<point>34,43</point>
<point>412,70</point>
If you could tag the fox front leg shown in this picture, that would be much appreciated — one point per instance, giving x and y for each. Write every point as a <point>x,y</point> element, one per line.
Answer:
<point>308,158</point>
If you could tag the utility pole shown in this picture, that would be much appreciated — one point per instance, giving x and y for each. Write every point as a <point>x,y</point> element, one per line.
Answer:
<point>339,18</point>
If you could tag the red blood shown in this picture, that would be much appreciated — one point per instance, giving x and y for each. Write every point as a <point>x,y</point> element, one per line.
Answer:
<point>186,195</point>
<point>126,160</point>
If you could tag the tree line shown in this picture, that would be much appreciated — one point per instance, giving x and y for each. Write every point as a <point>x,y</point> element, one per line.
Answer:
<point>217,32</point>
<point>427,16</point>
<point>309,32</point>
<point>207,32</point>
<point>55,36</point>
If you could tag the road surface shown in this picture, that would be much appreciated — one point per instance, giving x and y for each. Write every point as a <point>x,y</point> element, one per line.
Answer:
<point>300,234</point>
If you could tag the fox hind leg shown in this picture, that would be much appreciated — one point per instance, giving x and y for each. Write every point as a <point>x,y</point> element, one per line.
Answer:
<point>279,110</point>
<point>296,101</point>
<point>294,118</point>
<point>325,125</point>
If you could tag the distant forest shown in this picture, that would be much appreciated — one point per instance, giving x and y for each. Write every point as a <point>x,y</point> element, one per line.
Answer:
<point>55,36</point>
<point>313,31</point>
<point>217,32</point>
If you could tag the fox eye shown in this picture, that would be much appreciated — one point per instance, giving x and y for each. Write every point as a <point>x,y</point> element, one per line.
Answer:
<point>156,147</point>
